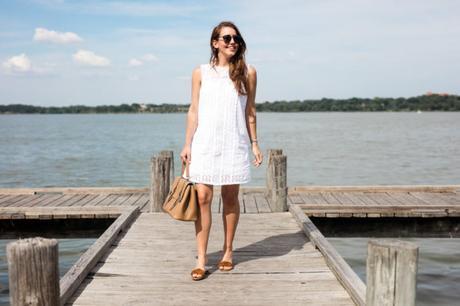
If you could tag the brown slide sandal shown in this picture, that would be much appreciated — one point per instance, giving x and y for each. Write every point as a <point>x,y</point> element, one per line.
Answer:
<point>200,274</point>
<point>225,266</point>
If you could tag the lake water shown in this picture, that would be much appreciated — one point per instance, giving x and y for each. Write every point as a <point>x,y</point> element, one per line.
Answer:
<point>104,150</point>
<point>322,148</point>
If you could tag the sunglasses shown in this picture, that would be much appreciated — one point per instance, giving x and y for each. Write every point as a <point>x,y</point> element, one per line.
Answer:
<point>228,38</point>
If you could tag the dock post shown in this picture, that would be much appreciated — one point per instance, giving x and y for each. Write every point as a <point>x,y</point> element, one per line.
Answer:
<point>160,180</point>
<point>170,154</point>
<point>276,191</point>
<point>33,271</point>
<point>391,273</point>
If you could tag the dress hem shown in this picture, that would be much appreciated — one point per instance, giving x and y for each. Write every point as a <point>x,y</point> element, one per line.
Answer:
<point>219,184</point>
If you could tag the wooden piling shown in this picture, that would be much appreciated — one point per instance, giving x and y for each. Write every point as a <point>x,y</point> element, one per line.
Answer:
<point>276,180</point>
<point>160,180</point>
<point>33,272</point>
<point>391,273</point>
<point>170,154</point>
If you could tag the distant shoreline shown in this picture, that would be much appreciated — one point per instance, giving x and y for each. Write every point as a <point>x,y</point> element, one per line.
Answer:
<point>424,103</point>
<point>272,112</point>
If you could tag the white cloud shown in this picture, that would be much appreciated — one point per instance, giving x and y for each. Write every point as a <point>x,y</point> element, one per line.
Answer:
<point>150,57</point>
<point>42,34</point>
<point>21,65</point>
<point>90,58</point>
<point>18,64</point>
<point>134,62</point>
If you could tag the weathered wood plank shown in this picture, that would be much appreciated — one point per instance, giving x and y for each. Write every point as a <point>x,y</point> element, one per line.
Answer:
<point>381,198</point>
<point>451,197</point>
<point>402,198</point>
<point>120,200</point>
<point>49,198</point>
<point>72,279</point>
<point>241,201</point>
<point>50,212</point>
<point>133,197</point>
<point>64,208</point>
<point>59,201</point>
<point>332,203</point>
<point>12,199</point>
<point>76,199</point>
<point>313,198</point>
<point>378,188</point>
<point>274,264</point>
<point>30,200</point>
<point>353,198</point>
<point>143,203</point>
<point>347,277</point>
<point>67,190</point>
<point>83,201</point>
<point>96,200</point>
<point>250,203</point>
<point>330,198</point>
<point>431,198</point>
<point>362,196</point>
<point>262,203</point>
<point>295,198</point>
<point>108,200</point>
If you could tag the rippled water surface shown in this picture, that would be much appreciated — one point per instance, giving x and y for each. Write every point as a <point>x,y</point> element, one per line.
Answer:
<point>104,150</point>
<point>322,148</point>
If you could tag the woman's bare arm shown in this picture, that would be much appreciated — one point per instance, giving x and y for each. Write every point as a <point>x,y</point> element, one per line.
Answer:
<point>192,115</point>
<point>251,104</point>
<point>251,118</point>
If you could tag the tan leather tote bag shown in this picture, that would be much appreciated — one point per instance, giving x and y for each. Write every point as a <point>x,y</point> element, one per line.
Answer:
<point>182,201</point>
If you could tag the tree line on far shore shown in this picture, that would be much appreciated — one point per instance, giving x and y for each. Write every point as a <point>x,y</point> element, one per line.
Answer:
<point>432,102</point>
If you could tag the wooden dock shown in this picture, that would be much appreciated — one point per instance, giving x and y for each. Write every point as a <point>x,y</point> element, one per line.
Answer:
<point>281,257</point>
<point>316,201</point>
<point>151,263</point>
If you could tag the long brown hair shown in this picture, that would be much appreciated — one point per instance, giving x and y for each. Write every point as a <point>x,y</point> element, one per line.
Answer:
<point>237,65</point>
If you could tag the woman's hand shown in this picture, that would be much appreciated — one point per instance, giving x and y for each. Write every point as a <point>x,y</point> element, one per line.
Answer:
<point>257,154</point>
<point>185,155</point>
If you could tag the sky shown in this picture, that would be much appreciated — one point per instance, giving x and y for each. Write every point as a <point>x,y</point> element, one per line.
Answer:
<point>59,52</point>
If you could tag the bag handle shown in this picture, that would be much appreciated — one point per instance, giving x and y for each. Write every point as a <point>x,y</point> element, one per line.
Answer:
<point>185,168</point>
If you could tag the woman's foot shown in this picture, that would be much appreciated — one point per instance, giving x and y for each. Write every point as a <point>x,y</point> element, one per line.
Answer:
<point>226,263</point>
<point>200,272</point>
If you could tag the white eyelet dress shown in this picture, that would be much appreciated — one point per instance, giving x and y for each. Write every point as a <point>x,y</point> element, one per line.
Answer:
<point>220,145</point>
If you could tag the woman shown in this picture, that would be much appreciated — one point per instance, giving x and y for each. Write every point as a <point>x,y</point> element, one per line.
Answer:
<point>221,125</point>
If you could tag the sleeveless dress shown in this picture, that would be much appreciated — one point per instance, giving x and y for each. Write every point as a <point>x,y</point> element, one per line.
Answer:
<point>220,145</point>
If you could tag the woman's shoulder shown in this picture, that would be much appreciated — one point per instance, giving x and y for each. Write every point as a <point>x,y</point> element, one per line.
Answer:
<point>251,69</point>
<point>197,72</point>
<point>200,68</point>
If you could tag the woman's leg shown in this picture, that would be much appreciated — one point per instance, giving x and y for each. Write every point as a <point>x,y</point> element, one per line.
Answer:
<point>230,217</point>
<point>203,223</point>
